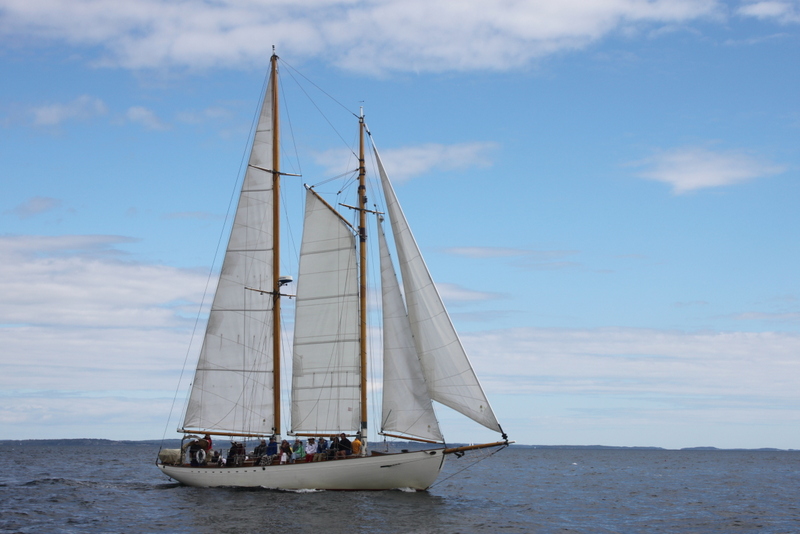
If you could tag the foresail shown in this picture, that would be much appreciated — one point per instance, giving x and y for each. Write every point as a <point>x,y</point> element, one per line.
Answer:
<point>407,404</point>
<point>448,372</point>
<point>232,389</point>
<point>326,362</point>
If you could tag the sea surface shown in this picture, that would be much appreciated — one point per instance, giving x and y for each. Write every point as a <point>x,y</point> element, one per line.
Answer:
<point>109,488</point>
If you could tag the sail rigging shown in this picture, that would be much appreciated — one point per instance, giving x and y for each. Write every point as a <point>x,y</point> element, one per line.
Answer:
<point>236,389</point>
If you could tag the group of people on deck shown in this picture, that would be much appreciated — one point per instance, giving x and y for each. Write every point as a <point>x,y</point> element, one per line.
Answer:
<point>314,450</point>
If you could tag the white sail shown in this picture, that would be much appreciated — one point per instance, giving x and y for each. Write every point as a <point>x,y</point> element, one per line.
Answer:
<point>407,404</point>
<point>326,364</point>
<point>448,372</point>
<point>232,389</point>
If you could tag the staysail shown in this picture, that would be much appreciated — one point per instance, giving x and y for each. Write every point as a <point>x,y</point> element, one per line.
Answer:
<point>449,375</point>
<point>407,404</point>
<point>326,362</point>
<point>232,389</point>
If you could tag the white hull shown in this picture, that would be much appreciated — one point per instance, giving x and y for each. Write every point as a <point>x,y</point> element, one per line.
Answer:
<point>415,470</point>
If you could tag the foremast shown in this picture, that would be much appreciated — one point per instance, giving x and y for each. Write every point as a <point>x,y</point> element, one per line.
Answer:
<point>331,317</point>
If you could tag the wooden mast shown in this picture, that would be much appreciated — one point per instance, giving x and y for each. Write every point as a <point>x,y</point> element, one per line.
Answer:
<point>276,287</point>
<point>362,234</point>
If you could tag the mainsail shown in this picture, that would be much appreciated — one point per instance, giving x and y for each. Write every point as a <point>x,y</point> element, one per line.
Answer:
<point>407,404</point>
<point>447,369</point>
<point>326,370</point>
<point>232,388</point>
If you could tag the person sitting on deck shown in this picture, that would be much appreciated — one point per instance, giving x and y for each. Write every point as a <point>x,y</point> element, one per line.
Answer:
<point>286,453</point>
<point>311,450</point>
<point>345,447</point>
<point>272,447</point>
<point>298,450</point>
<point>356,445</point>
<point>322,449</point>
<point>236,455</point>
<point>333,449</point>
<point>260,450</point>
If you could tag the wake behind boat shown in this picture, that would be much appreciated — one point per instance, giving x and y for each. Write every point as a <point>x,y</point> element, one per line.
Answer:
<point>236,392</point>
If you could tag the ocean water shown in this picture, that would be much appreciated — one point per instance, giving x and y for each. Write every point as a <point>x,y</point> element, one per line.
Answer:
<point>111,488</point>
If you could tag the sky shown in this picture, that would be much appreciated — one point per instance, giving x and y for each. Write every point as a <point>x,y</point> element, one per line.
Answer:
<point>606,193</point>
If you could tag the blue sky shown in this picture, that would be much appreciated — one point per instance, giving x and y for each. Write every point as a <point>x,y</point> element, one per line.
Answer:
<point>606,193</point>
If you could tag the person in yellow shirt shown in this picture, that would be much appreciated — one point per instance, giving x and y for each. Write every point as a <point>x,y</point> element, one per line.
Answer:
<point>356,445</point>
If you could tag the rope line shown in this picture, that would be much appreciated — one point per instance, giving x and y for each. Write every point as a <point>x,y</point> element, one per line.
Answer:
<point>473,464</point>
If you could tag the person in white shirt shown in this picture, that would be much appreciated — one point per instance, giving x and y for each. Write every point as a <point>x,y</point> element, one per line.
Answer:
<point>311,449</point>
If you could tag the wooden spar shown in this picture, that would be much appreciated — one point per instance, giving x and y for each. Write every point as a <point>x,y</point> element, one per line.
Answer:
<point>320,434</point>
<point>409,438</point>
<point>479,446</point>
<point>362,231</point>
<point>355,208</point>
<point>276,234</point>
<point>326,203</point>
<point>222,433</point>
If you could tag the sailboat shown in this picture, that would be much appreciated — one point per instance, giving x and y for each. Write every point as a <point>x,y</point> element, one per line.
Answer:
<point>236,391</point>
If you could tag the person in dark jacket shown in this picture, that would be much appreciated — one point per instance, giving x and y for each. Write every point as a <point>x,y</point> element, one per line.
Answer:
<point>272,447</point>
<point>345,447</point>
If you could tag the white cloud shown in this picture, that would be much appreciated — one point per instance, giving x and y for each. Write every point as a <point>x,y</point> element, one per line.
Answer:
<point>629,361</point>
<point>35,206</point>
<point>538,260</point>
<point>84,332</point>
<point>44,415</point>
<point>456,293</point>
<point>66,281</point>
<point>486,252</point>
<point>406,163</point>
<point>370,35</point>
<point>781,11</point>
<point>773,318</point>
<point>628,386</point>
<point>205,115</point>
<point>624,386</point>
<point>409,162</point>
<point>145,117</point>
<point>200,215</point>
<point>83,107</point>
<point>691,168</point>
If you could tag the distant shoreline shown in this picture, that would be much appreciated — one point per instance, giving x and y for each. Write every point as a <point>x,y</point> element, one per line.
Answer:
<point>88,442</point>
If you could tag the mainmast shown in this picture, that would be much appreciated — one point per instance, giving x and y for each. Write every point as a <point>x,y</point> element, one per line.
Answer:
<point>362,234</point>
<point>276,285</point>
